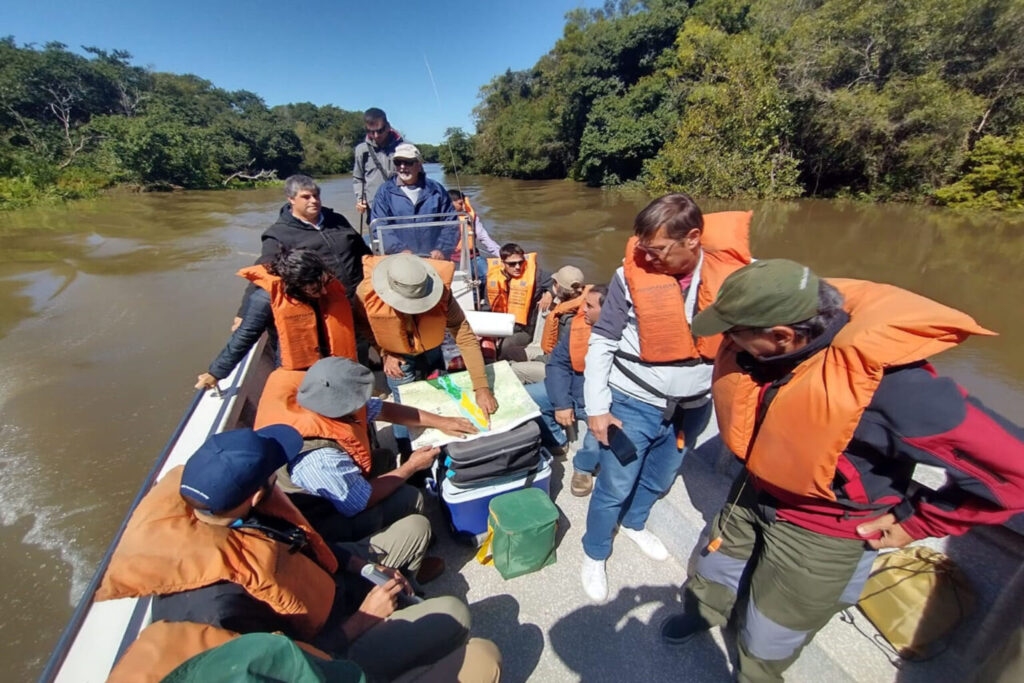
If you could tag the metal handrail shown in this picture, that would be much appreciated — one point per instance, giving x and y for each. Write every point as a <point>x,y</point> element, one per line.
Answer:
<point>466,263</point>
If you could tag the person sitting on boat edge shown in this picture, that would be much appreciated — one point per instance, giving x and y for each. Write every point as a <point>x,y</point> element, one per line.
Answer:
<point>304,223</point>
<point>560,395</point>
<point>219,543</point>
<point>302,307</point>
<point>411,193</point>
<point>409,304</point>
<point>516,285</point>
<point>851,442</point>
<point>372,163</point>
<point>186,652</point>
<point>346,489</point>
<point>645,372</point>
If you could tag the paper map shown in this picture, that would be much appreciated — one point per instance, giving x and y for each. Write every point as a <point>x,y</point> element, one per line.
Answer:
<point>452,396</point>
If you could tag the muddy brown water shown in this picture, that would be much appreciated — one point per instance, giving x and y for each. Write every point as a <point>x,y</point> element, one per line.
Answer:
<point>109,308</point>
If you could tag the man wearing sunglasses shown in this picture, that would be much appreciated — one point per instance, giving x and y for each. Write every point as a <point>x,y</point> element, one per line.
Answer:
<point>411,193</point>
<point>373,165</point>
<point>515,284</point>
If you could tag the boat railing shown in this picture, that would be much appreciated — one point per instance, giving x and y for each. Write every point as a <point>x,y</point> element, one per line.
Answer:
<point>94,640</point>
<point>460,219</point>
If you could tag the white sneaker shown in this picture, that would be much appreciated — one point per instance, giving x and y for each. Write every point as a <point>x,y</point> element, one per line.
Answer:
<point>595,584</point>
<point>648,542</point>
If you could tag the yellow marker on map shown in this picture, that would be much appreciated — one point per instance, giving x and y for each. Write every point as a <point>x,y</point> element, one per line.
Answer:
<point>466,405</point>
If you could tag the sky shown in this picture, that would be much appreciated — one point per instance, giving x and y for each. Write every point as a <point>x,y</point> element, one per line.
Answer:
<point>354,55</point>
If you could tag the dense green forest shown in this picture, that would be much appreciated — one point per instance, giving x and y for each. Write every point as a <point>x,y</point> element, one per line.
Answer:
<point>917,100</point>
<point>71,125</point>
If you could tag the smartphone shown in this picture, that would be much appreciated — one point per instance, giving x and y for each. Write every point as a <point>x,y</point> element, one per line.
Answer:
<point>620,445</point>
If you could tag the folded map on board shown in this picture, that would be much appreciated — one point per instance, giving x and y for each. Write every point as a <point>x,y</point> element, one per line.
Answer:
<point>452,396</point>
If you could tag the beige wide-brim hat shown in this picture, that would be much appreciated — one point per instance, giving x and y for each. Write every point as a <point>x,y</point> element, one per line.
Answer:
<point>407,283</point>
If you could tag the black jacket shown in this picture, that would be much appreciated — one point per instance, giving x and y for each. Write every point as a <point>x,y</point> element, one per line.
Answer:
<point>336,242</point>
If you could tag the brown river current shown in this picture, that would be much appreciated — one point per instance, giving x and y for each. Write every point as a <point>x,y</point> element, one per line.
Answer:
<point>109,309</point>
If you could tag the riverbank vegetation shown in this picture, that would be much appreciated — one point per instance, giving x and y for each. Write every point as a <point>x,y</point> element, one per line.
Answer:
<point>919,100</point>
<point>71,125</point>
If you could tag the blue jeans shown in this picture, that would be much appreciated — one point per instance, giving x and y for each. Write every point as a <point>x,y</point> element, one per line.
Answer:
<point>553,434</point>
<point>414,368</point>
<point>625,494</point>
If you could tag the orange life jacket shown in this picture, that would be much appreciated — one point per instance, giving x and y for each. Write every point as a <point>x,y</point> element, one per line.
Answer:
<point>813,415</point>
<point>163,646</point>
<point>512,295</point>
<point>296,321</point>
<point>579,340</point>
<point>549,337</point>
<point>467,227</point>
<point>165,549</point>
<point>664,332</point>
<point>279,405</point>
<point>400,333</point>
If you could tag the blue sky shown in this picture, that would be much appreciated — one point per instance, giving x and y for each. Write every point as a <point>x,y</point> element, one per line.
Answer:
<point>353,55</point>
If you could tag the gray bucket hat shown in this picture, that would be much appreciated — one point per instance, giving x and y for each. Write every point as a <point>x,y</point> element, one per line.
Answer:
<point>335,387</point>
<point>407,283</point>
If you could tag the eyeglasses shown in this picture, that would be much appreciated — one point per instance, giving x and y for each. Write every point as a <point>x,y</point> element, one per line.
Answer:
<point>376,131</point>
<point>406,162</point>
<point>656,252</point>
<point>514,264</point>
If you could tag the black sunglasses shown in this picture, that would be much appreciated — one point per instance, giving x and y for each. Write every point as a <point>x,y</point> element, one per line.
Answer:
<point>514,264</point>
<point>405,162</point>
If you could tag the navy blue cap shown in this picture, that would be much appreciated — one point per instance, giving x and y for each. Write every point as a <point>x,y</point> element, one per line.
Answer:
<point>232,466</point>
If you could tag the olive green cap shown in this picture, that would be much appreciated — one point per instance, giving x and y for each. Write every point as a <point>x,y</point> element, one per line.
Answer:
<point>763,294</point>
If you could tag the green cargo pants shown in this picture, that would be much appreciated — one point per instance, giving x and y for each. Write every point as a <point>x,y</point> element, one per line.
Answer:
<point>798,581</point>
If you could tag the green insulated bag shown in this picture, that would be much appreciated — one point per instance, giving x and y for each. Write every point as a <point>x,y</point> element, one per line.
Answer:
<point>523,525</point>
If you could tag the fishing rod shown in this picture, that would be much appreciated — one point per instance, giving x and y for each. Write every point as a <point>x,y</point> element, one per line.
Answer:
<point>474,277</point>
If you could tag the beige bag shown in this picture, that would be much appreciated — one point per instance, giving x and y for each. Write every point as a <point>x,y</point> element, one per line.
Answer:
<point>915,596</point>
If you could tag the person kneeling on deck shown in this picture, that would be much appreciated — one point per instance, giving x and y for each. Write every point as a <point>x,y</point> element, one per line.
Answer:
<point>409,304</point>
<point>347,491</point>
<point>411,193</point>
<point>303,309</point>
<point>516,285</point>
<point>851,443</point>
<point>560,395</point>
<point>219,543</point>
<point>647,378</point>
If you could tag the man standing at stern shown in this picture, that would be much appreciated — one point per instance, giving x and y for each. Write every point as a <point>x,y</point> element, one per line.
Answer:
<point>851,442</point>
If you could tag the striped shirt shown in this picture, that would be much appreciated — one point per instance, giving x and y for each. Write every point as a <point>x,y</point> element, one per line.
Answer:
<point>331,473</point>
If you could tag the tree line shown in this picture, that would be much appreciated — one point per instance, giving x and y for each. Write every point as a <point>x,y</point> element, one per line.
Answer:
<point>72,124</point>
<point>912,100</point>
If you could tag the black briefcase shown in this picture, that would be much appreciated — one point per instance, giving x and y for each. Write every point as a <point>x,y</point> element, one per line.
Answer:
<point>481,460</point>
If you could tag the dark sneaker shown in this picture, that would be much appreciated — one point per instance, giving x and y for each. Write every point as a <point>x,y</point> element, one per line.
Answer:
<point>582,484</point>
<point>431,568</point>
<point>559,451</point>
<point>680,628</point>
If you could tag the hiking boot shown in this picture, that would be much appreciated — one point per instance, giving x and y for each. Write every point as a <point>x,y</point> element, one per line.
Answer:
<point>582,484</point>
<point>431,568</point>
<point>595,584</point>
<point>650,544</point>
<point>680,628</point>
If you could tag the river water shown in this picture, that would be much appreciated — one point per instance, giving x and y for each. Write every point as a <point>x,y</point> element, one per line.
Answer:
<point>110,308</point>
